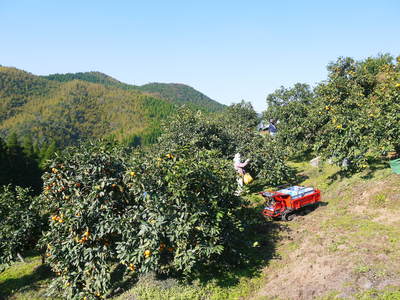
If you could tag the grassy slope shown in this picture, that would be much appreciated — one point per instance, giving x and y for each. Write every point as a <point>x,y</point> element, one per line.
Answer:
<point>25,281</point>
<point>347,248</point>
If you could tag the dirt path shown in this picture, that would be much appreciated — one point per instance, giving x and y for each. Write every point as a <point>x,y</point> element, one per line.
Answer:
<point>344,248</point>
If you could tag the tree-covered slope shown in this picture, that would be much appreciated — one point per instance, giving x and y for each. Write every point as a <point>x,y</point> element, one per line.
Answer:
<point>182,94</point>
<point>18,88</point>
<point>173,92</point>
<point>73,110</point>
<point>94,77</point>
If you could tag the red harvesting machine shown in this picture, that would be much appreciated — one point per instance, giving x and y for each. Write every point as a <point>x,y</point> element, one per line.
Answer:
<point>286,202</point>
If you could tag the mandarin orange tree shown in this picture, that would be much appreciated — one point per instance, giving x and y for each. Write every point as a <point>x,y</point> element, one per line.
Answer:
<point>341,104</point>
<point>20,223</point>
<point>384,110</point>
<point>268,158</point>
<point>85,197</point>
<point>359,108</point>
<point>159,211</point>
<point>293,108</point>
<point>195,130</point>
<point>229,132</point>
<point>353,116</point>
<point>191,215</point>
<point>268,161</point>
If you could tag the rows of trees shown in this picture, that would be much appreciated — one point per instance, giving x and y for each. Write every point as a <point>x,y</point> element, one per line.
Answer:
<point>176,93</point>
<point>70,108</point>
<point>22,162</point>
<point>21,221</point>
<point>110,212</point>
<point>351,119</point>
<point>170,209</point>
<point>229,133</point>
<point>113,211</point>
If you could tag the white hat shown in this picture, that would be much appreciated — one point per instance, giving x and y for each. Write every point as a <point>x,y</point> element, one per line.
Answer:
<point>237,157</point>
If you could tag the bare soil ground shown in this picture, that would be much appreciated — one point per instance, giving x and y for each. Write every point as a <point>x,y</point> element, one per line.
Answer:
<point>348,245</point>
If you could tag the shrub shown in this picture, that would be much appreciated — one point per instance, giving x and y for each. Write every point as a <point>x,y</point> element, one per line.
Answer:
<point>293,108</point>
<point>230,132</point>
<point>360,108</point>
<point>354,115</point>
<point>190,212</point>
<point>169,212</point>
<point>20,224</point>
<point>268,160</point>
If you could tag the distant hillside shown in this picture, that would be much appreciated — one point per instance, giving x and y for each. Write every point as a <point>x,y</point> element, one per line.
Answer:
<point>94,77</point>
<point>176,93</point>
<point>17,88</point>
<point>182,94</point>
<point>67,112</point>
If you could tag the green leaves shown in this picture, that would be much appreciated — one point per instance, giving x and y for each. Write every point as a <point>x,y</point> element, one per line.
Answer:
<point>228,133</point>
<point>293,108</point>
<point>355,127</point>
<point>353,116</point>
<point>85,198</point>
<point>145,211</point>
<point>20,224</point>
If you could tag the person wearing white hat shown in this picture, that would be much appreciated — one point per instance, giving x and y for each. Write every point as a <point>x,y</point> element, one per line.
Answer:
<point>239,167</point>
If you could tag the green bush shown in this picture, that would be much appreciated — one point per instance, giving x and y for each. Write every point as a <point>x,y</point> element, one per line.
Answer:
<point>353,115</point>
<point>20,224</point>
<point>359,104</point>
<point>162,212</point>
<point>85,197</point>
<point>190,210</point>
<point>268,161</point>
<point>293,108</point>
<point>230,132</point>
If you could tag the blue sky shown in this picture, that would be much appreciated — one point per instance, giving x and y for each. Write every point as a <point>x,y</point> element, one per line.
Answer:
<point>229,50</point>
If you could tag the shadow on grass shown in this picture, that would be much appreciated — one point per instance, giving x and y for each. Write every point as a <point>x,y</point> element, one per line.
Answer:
<point>300,177</point>
<point>322,203</point>
<point>259,185</point>
<point>302,157</point>
<point>250,252</point>
<point>369,173</point>
<point>26,282</point>
<point>253,250</point>
<point>373,168</point>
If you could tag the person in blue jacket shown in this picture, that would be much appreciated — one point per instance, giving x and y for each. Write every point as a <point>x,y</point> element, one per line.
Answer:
<point>272,127</point>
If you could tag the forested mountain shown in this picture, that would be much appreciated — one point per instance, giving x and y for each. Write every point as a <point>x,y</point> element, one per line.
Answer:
<point>94,77</point>
<point>174,92</point>
<point>181,93</point>
<point>70,107</point>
